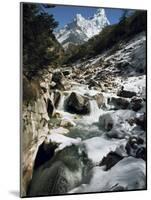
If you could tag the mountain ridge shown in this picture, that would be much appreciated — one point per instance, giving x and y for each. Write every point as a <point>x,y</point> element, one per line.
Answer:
<point>81,29</point>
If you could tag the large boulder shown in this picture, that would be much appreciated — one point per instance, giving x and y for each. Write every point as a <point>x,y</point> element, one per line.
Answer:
<point>116,124</point>
<point>78,104</point>
<point>110,160</point>
<point>60,174</point>
<point>57,77</point>
<point>125,93</point>
<point>136,147</point>
<point>128,174</point>
<point>106,121</point>
<point>136,103</point>
<point>118,103</point>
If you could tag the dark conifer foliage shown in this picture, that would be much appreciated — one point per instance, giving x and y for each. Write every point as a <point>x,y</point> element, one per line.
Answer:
<point>40,47</point>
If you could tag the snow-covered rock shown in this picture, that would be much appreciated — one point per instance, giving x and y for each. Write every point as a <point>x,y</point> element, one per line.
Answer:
<point>127,174</point>
<point>61,140</point>
<point>116,123</point>
<point>99,147</point>
<point>60,174</point>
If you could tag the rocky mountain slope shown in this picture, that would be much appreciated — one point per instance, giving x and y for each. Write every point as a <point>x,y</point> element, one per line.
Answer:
<point>86,130</point>
<point>81,29</point>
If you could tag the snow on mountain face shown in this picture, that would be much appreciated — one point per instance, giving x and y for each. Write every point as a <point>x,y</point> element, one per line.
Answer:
<point>81,29</point>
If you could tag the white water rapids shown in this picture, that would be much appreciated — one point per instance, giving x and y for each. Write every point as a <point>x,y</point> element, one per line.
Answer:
<point>87,142</point>
<point>97,146</point>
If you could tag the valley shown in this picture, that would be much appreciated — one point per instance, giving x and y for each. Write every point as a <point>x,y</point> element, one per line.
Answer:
<point>86,129</point>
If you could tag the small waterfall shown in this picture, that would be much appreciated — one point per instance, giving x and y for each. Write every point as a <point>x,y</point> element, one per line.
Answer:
<point>61,103</point>
<point>95,113</point>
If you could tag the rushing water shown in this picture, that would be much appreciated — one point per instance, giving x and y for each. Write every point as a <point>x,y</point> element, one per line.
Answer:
<point>86,125</point>
<point>76,166</point>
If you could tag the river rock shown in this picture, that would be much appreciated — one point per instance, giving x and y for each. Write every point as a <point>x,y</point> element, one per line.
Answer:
<point>60,130</point>
<point>110,160</point>
<point>50,108</point>
<point>45,152</point>
<point>78,104</point>
<point>57,114</point>
<point>128,174</point>
<point>141,120</point>
<point>141,153</point>
<point>66,122</point>
<point>57,97</point>
<point>116,123</point>
<point>106,121</point>
<point>136,103</point>
<point>118,102</point>
<point>57,77</point>
<point>136,147</point>
<point>118,132</point>
<point>126,93</point>
<point>60,174</point>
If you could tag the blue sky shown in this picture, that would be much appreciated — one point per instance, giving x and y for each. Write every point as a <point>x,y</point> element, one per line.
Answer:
<point>65,14</point>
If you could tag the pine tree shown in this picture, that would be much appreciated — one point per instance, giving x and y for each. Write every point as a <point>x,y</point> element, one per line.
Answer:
<point>39,43</point>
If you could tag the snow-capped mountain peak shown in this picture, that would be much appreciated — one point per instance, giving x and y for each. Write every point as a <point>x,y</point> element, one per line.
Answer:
<point>81,29</point>
<point>79,20</point>
<point>79,17</point>
<point>100,12</point>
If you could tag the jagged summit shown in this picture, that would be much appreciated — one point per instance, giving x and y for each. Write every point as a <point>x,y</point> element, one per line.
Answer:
<point>81,29</point>
<point>100,11</point>
<point>79,17</point>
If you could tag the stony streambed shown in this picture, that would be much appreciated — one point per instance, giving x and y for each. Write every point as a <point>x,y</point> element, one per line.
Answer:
<point>101,151</point>
<point>87,130</point>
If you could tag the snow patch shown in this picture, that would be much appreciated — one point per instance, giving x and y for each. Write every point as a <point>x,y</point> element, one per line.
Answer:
<point>98,147</point>
<point>127,174</point>
<point>62,141</point>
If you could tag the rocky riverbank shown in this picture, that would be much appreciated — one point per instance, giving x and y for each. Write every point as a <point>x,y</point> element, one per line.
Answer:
<point>85,130</point>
